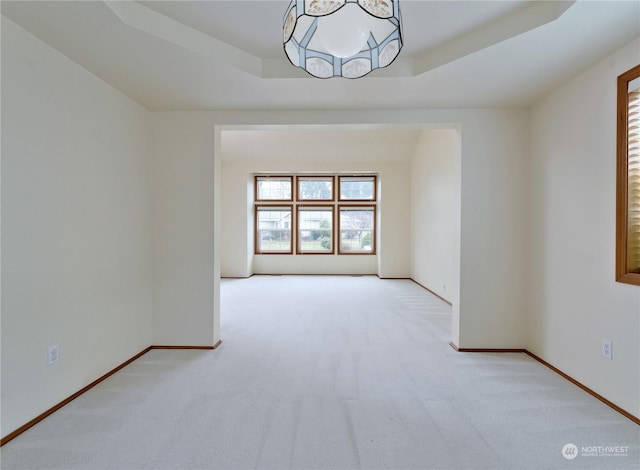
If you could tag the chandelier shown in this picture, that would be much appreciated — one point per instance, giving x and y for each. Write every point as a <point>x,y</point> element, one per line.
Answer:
<point>342,38</point>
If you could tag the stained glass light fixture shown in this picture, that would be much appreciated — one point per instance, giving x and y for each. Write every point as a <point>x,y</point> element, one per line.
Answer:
<point>342,38</point>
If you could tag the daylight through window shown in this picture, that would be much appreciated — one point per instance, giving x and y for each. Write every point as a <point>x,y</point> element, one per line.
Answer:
<point>357,229</point>
<point>327,214</point>
<point>273,188</point>
<point>315,229</point>
<point>273,229</point>
<point>628,184</point>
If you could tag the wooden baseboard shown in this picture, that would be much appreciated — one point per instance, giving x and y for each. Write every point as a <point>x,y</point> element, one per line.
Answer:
<point>209,348</point>
<point>487,350</point>
<point>51,410</point>
<point>69,399</point>
<point>594,394</point>
<point>433,293</point>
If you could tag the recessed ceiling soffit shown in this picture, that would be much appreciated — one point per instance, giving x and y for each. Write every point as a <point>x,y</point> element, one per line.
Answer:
<point>530,16</point>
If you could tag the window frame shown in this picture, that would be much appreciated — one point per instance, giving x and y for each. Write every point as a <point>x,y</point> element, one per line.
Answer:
<point>267,177</point>
<point>316,207</point>
<point>622,180</point>
<point>348,207</point>
<point>257,239</point>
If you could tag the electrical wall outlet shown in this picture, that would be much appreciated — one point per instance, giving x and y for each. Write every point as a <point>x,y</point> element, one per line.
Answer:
<point>53,354</point>
<point>607,350</point>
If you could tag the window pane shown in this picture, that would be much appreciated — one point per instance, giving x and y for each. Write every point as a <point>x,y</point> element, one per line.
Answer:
<point>356,230</point>
<point>633,178</point>
<point>357,188</point>
<point>273,188</point>
<point>315,230</point>
<point>318,189</point>
<point>274,230</point>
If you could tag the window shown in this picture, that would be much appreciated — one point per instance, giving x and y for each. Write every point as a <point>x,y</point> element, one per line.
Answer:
<point>273,229</point>
<point>320,217</point>
<point>315,229</point>
<point>273,188</point>
<point>357,188</point>
<point>318,188</point>
<point>628,178</point>
<point>357,229</point>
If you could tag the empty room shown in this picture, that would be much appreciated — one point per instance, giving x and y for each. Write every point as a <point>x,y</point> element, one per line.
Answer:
<point>320,234</point>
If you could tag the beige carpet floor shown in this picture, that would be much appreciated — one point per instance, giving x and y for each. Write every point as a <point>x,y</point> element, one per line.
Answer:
<point>329,373</point>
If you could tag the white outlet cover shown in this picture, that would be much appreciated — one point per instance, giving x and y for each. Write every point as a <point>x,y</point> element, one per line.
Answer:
<point>53,354</point>
<point>607,350</point>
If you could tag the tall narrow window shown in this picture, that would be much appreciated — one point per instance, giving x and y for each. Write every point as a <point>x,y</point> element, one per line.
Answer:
<point>315,229</point>
<point>628,184</point>
<point>273,229</point>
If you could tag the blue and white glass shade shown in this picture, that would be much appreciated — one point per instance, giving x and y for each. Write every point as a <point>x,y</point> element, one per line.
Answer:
<point>342,38</point>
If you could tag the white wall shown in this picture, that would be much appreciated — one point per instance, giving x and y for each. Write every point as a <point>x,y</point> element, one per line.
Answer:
<point>394,208</point>
<point>575,301</point>
<point>236,257</point>
<point>494,226</point>
<point>76,267</point>
<point>490,303</point>
<point>184,269</point>
<point>435,219</point>
<point>393,247</point>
